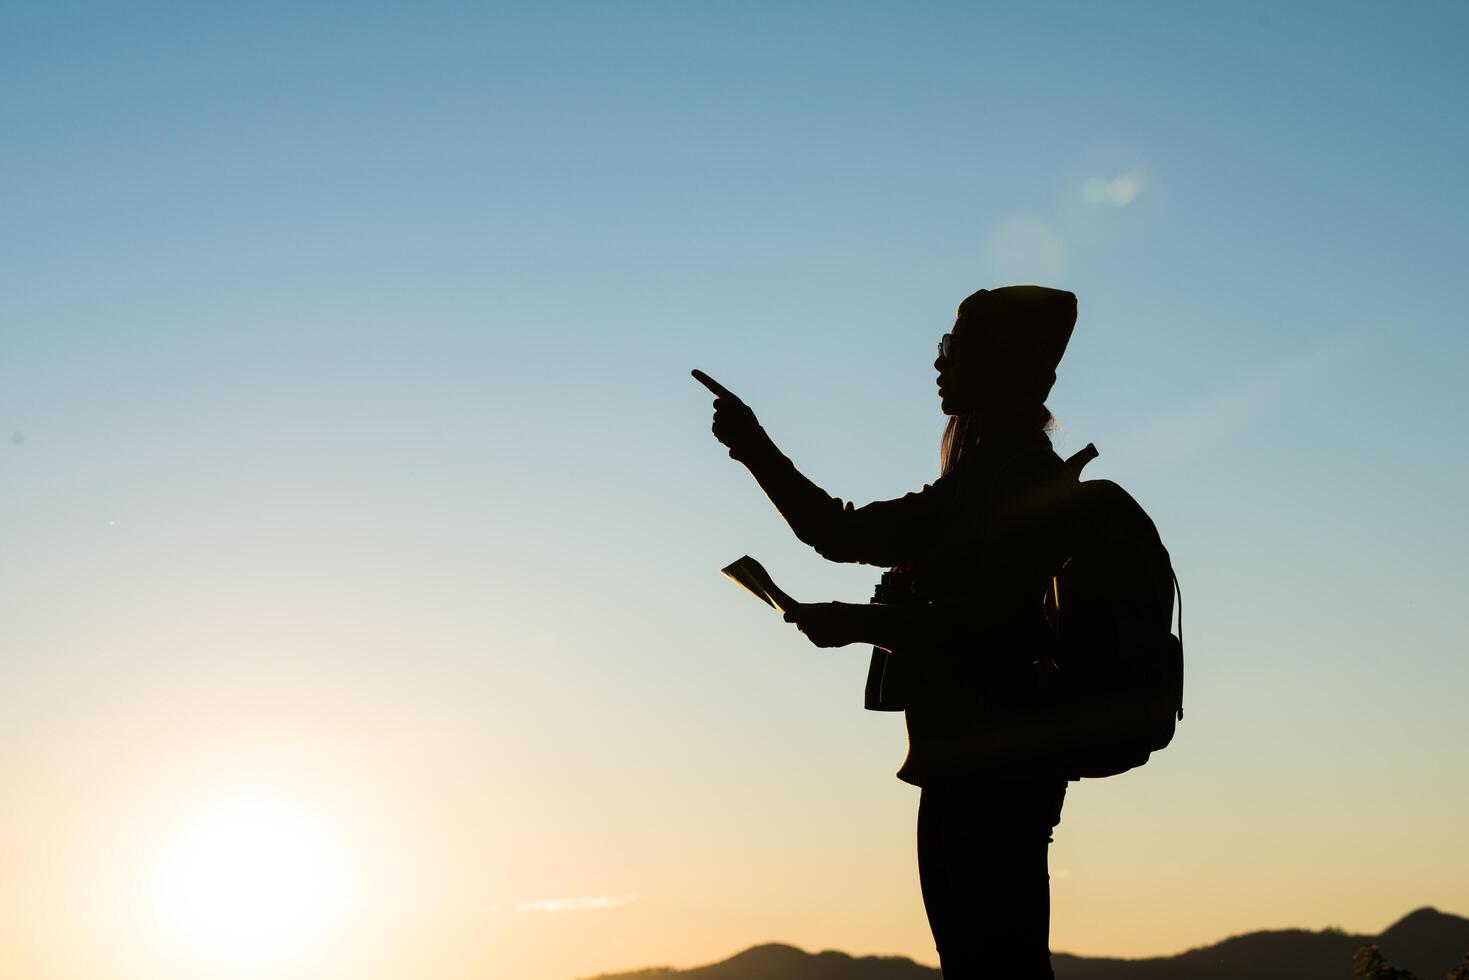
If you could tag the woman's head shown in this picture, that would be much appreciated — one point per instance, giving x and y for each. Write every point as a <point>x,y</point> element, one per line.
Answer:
<point>1001,362</point>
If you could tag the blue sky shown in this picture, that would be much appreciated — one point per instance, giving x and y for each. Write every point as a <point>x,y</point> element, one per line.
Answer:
<point>345,380</point>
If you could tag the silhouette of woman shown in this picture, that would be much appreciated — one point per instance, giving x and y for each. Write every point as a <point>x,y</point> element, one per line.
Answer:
<point>978,546</point>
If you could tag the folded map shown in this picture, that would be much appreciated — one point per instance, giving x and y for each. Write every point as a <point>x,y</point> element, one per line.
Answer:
<point>752,575</point>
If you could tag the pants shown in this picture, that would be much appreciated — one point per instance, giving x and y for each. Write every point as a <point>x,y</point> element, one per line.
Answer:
<point>986,887</point>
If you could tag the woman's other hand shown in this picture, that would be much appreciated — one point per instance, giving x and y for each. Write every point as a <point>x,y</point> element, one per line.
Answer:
<point>735,425</point>
<point>828,624</point>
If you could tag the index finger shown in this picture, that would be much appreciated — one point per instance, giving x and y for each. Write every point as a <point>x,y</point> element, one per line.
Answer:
<point>714,386</point>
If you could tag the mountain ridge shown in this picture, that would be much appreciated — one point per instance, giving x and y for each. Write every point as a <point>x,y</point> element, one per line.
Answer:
<point>1426,942</point>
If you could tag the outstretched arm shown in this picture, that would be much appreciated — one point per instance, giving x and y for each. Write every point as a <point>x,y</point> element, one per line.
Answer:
<point>931,627</point>
<point>836,624</point>
<point>879,533</point>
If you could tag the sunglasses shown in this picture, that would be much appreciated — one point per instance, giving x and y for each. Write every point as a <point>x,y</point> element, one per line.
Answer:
<point>946,346</point>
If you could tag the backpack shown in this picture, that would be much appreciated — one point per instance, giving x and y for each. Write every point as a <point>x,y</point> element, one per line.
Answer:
<point>1112,689</point>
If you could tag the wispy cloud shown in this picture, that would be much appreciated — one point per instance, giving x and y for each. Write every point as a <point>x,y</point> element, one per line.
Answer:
<point>1116,191</point>
<point>1240,404</point>
<point>580,903</point>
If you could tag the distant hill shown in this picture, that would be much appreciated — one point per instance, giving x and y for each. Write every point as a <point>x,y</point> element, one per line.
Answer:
<point>1427,942</point>
<point>775,961</point>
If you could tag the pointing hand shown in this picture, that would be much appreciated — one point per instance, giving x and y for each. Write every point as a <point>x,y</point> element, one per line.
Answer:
<point>735,424</point>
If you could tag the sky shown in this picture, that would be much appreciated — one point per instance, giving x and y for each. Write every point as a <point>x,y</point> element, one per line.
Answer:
<point>360,611</point>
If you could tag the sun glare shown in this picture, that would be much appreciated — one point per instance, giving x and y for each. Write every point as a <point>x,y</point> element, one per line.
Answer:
<point>250,880</point>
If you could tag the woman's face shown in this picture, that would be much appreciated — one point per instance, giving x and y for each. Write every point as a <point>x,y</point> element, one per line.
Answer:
<point>959,372</point>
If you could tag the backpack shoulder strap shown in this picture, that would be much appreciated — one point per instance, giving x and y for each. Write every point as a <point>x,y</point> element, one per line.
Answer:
<point>1076,462</point>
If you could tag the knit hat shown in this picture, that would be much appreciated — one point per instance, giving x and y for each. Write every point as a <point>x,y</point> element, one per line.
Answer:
<point>1028,326</point>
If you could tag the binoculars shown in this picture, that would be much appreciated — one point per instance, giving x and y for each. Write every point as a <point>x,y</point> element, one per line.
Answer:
<point>884,691</point>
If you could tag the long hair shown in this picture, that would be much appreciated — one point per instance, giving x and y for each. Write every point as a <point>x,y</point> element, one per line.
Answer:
<point>963,433</point>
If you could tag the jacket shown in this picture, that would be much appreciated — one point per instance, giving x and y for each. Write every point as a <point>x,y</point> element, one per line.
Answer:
<point>981,544</point>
